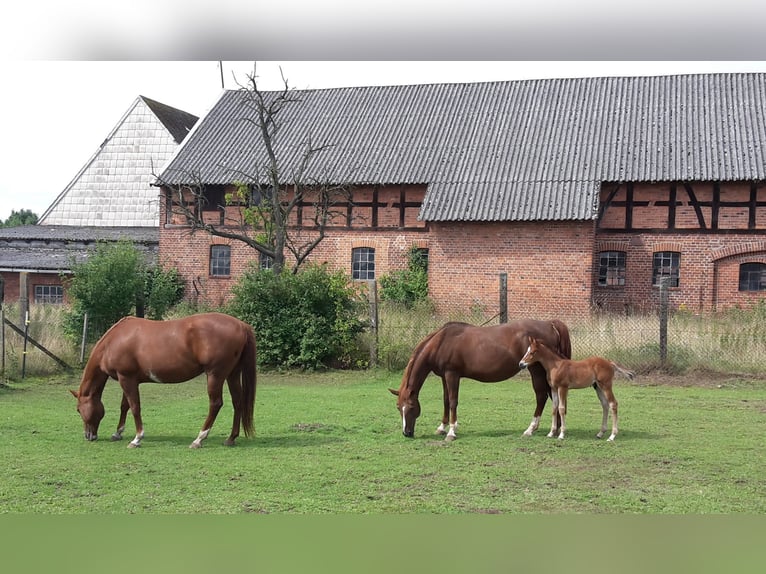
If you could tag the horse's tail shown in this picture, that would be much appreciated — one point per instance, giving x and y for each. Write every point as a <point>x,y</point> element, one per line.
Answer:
<point>623,371</point>
<point>565,343</point>
<point>247,363</point>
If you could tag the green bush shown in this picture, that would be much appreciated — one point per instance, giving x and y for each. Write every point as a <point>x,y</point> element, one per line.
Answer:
<point>308,320</point>
<point>407,286</point>
<point>111,283</point>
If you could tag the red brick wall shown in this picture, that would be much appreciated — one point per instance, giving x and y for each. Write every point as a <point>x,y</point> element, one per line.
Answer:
<point>552,267</point>
<point>190,253</point>
<point>12,285</point>
<point>710,258</point>
<point>548,266</point>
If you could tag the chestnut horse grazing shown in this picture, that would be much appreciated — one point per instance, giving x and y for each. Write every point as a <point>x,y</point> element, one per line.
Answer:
<point>135,351</point>
<point>564,374</point>
<point>488,354</point>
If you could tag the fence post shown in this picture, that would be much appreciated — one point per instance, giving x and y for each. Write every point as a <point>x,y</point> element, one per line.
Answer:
<point>503,297</point>
<point>2,341</point>
<point>664,295</point>
<point>84,337</point>
<point>373,296</point>
<point>2,330</point>
<point>24,353</point>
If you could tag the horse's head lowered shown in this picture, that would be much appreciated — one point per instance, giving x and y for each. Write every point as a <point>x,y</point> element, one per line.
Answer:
<point>91,410</point>
<point>408,405</point>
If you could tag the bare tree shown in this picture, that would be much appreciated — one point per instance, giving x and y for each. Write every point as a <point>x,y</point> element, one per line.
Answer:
<point>276,208</point>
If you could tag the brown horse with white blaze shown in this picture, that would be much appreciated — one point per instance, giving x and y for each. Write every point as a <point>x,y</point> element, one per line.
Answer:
<point>135,351</point>
<point>487,354</point>
<point>565,374</point>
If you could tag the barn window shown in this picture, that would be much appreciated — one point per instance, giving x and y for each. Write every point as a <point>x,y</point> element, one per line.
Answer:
<point>265,261</point>
<point>611,268</point>
<point>220,260</point>
<point>666,264</point>
<point>49,294</point>
<point>752,277</point>
<point>363,263</point>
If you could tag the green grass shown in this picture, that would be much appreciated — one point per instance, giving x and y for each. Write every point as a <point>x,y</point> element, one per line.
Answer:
<point>332,443</point>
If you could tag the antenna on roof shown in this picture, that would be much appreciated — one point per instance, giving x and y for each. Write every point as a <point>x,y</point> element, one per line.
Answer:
<point>220,65</point>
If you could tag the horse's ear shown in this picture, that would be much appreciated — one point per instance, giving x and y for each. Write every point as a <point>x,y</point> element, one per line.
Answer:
<point>393,392</point>
<point>75,394</point>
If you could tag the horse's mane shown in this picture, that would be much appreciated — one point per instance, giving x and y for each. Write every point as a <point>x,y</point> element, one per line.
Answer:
<point>415,354</point>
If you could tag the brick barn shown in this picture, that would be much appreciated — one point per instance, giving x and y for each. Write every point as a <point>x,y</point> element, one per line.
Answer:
<point>586,192</point>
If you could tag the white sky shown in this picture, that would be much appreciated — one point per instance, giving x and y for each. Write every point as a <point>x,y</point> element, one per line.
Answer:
<point>70,70</point>
<point>55,114</point>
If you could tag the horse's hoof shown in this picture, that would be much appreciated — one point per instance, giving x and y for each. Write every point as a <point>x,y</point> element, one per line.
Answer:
<point>195,445</point>
<point>229,443</point>
<point>133,445</point>
<point>440,431</point>
<point>116,437</point>
<point>449,438</point>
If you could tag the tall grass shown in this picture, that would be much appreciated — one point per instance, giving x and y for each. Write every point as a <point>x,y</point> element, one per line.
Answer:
<point>731,342</point>
<point>45,327</point>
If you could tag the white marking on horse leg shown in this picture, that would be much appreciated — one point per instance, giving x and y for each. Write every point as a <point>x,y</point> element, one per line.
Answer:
<point>532,426</point>
<point>441,429</point>
<point>136,442</point>
<point>451,435</point>
<point>197,443</point>
<point>404,421</point>
<point>614,423</point>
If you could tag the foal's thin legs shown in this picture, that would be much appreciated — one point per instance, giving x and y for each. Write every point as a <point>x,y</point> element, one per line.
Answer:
<point>608,401</point>
<point>604,408</point>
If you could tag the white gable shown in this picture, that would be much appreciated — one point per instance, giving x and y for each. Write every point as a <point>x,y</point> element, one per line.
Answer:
<point>113,189</point>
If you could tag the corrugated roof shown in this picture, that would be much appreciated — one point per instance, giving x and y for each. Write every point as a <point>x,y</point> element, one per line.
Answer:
<point>80,233</point>
<point>499,151</point>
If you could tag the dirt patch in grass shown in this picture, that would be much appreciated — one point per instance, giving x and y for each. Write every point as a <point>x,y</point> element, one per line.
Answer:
<point>696,378</point>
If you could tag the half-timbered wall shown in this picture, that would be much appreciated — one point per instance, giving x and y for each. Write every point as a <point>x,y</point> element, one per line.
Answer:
<point>381,217</point>
<point>714,226</point>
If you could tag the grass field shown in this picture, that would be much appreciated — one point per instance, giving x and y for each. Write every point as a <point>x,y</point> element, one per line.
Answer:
<point>332,444</point>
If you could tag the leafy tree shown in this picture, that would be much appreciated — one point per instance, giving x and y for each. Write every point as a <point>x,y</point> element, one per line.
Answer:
<point>17,218</point>
<point>113,282</point>
<point>308,319</point>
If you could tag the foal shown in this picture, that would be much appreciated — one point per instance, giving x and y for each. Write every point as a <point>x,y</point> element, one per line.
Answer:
<point>564,374</point>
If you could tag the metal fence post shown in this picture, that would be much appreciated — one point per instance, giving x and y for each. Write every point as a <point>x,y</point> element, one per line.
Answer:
<point>374,316</point>
<point>503,297</point>
<point>664,295</point>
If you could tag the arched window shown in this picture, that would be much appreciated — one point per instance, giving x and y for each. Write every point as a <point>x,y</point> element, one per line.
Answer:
<point>752,277</point>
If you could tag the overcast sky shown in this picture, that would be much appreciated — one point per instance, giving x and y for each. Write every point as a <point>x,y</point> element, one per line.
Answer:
<point>71,70</point>
<point>57,113</point>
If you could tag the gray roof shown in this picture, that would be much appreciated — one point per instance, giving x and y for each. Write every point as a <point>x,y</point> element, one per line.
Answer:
<point>52,248</point>
<point>500,151</point>
<point>79,233</point>
<point>177,122</point>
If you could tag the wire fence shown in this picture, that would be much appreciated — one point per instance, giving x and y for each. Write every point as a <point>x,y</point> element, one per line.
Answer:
<point>733,342</point>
